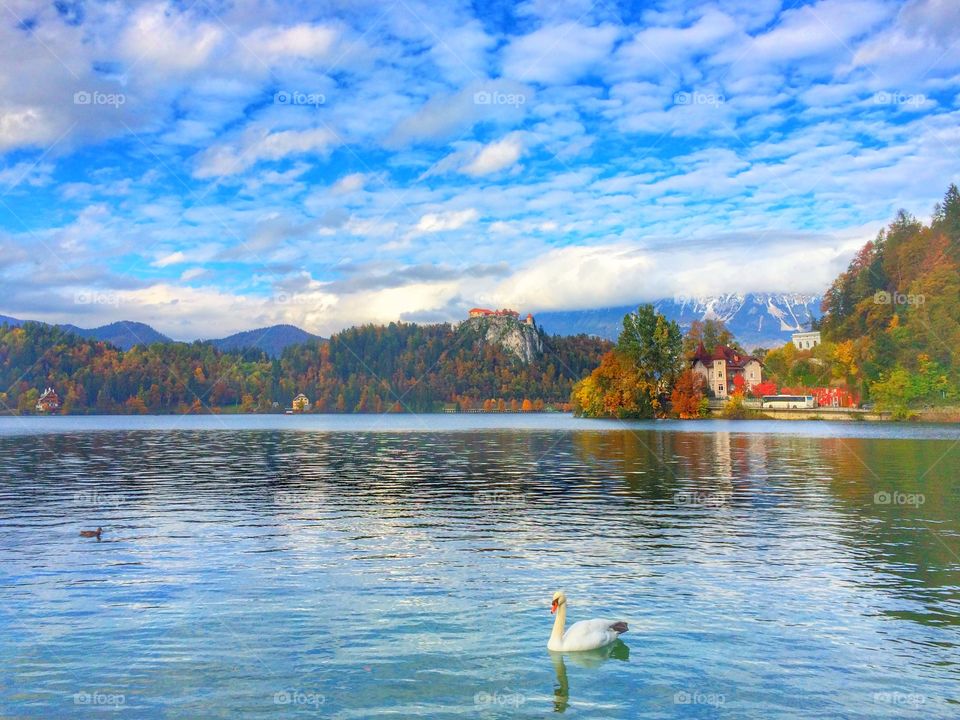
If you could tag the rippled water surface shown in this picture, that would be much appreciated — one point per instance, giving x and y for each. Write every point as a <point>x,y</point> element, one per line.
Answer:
<point>348,568</point>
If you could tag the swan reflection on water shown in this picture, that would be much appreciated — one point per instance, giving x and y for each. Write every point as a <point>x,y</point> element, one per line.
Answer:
<point>591,659</point>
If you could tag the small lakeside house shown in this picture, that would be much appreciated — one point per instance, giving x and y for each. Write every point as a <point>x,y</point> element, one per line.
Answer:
<point>49,401</point>
<point>721,368</point>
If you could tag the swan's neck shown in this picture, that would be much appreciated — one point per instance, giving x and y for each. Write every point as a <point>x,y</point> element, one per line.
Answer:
<point>559,623</point>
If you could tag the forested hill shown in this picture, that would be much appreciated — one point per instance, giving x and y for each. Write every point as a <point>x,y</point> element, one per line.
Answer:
<point>365,369</point>
<point>893,313</point>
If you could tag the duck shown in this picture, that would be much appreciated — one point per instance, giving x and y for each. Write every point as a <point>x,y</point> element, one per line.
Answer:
<point>92,533</point>
<point>583,635</point>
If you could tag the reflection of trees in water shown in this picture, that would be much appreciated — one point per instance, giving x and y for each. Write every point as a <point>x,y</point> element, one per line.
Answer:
<point>508,477</point>
<point>915,544</point>
<point>657,464</point>
<point>833,481</point>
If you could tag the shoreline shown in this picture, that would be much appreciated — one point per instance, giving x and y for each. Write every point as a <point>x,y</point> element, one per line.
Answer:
<point>842,415</point>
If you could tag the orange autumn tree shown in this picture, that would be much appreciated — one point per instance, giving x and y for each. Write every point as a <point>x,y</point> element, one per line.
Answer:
<point>689,396</point>
<point>614,389</point>
<point>635,379</point>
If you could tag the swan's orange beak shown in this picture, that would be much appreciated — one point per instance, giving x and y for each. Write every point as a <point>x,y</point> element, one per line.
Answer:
<point>553,607</point>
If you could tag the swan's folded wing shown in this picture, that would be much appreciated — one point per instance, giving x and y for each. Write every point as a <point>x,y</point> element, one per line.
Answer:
<point>590,634</point>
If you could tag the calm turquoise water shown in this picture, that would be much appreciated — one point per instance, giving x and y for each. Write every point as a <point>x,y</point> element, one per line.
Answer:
<point>356,567</point>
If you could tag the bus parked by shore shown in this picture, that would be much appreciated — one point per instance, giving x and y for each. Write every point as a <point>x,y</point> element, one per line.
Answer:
<point>786,402</point>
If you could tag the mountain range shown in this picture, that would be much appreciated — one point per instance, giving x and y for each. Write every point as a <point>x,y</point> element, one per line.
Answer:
<point>124,334</point>
<point>756,319</point>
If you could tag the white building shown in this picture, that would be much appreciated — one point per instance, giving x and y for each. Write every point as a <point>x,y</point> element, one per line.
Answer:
<point>807,340</point>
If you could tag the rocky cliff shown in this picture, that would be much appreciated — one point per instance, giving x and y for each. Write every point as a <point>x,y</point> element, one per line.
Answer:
<point>510,333</point>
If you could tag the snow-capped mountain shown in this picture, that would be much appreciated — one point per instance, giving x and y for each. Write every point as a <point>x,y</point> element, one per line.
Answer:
<point>756,319</point>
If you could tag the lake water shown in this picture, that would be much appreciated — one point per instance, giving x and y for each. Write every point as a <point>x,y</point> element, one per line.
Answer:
<point>353,567</point>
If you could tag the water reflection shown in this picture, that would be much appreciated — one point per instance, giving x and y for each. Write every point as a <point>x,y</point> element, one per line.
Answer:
<point>370,567</point>
<point>590,659</point>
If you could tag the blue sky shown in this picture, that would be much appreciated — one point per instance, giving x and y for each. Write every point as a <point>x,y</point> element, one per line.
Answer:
<point>209,167</point>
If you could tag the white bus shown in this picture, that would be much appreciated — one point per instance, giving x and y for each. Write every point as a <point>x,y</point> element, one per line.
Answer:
<point>789,401</point>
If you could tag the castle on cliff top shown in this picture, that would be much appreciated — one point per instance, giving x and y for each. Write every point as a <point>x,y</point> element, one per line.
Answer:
<point>484,312</point>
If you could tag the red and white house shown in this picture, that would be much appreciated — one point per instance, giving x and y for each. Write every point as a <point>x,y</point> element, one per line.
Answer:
<point>722,368</point>
<point>49,401</point>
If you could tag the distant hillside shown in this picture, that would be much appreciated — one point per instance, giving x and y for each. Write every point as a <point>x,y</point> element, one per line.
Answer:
<point>397,367</point>
<point>756,319</point>
<point>372,367</point>
<point>272,340</point>
<point>124,334</point>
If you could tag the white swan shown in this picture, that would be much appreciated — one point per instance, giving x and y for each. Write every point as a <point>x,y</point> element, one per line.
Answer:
<point>583,635</point>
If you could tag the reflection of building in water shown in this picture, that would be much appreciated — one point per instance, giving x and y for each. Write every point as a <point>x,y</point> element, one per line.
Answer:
<point>722,458</point>
<point>755,459</point>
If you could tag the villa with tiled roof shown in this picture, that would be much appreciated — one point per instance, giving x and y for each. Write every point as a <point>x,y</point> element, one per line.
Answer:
<point>721,368</point>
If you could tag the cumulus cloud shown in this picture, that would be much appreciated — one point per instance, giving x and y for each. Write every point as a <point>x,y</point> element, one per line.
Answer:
<point>257,145</point>
<point>302,40</point>
<point>476,159</point>
<point>450,220</point>
<point>558,53</point>
<point>495,156</point>
<point>168,41</point>
<point>447,115</point>
<point>622,273</point>
<point>349,184</point>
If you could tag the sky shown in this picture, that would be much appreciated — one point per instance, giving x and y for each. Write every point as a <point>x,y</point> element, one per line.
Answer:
<point>208,167</point>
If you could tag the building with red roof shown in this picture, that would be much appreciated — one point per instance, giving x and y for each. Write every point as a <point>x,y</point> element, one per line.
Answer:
<point>721,368</point>
<point>49,401</point>
<point>484,312</point>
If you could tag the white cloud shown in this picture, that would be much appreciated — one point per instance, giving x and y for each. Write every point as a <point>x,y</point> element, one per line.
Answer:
<point>192,273</point>
<point>173,258</point>
<point>827,26</point>
<point>451,220</point>
<point>302,40</point>
<point>659,51</point>
<point>349,184</point>
<point>260,144</point>
<point>24,126</point>
<point>621,273</point>
<point>447,115</point>
<point>164,40</point>
<point>559,53</point>
<point>495,156</point>
<point>919,46</point>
